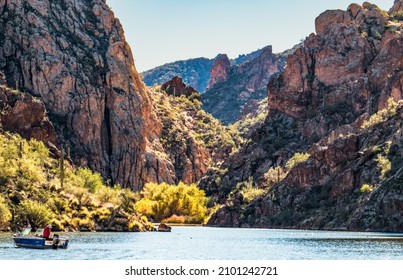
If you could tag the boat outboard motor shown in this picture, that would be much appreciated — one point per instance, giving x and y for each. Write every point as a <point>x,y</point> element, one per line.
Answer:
<point>56,241</point>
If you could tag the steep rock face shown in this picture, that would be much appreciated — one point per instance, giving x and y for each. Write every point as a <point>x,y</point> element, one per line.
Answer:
<point>220,70</point>
<point>23,114</point>
<point>331,84</point>
<point>73,56</point>
<point>326,192</point>
<point>243,83</point>
<point>397,7</point>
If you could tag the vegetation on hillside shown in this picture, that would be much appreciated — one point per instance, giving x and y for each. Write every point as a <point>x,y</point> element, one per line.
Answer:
<point>382,115</point>
<point>173,203</point>
<point>30,191</point>
<point>183,118</point>
<point>252,119</point>
<point>251,191</point>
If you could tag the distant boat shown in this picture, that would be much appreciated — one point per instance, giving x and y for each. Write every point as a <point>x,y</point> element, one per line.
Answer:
<point>26,240</point>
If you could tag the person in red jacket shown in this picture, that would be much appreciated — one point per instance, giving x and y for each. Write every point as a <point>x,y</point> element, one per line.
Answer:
<point>47,231</point>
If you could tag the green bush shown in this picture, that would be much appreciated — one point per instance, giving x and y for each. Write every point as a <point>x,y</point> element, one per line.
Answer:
<point>274,175</point>
<point>5,213</point>
<point>250,193</point>
<point>38,214</point>
<point>384,165</point>
<point>382,115</point>
<point>296,159</point>
<point>92,181</point>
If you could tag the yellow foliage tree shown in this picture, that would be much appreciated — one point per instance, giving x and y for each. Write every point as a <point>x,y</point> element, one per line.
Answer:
<point>161,201</point>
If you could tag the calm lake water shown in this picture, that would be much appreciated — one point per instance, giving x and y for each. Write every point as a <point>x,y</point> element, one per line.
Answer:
<point>204,243</point>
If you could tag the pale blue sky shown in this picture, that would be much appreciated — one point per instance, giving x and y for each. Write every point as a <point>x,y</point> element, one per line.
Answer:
<point>162,31</point>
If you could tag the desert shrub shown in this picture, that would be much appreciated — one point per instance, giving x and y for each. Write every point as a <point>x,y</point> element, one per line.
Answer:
<point>81,196</point>
<point>366,188</point>
<point>92,181</point>
<point>250,193</point>
<point>296,159</point>
<point>106,195</point>
<point>384,165</point>
<point>22,160</point>
<point>36,213</point>
<point>127,199</point>
<point>161,201</point>
<point>5,213</point>
<point>382,115</point>
<point>249,190</point>
<point>274,175</point>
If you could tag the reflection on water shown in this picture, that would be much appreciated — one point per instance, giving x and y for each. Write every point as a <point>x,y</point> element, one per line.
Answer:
<point>203,243</point>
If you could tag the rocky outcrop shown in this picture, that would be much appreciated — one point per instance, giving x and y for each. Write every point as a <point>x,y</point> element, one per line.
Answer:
<point>243,83</point>
<point>220,70</point>
<point>74,57</point>
<point>176,87</point>
<point>332,83</point>
<point>397,7</point>
<point>23,114</point>
<point>164,228</point>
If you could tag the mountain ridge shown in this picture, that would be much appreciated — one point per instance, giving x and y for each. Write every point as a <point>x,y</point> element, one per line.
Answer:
<point>312,156</point>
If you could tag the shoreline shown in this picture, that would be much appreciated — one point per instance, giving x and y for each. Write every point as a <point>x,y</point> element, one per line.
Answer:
<point>398,234</point>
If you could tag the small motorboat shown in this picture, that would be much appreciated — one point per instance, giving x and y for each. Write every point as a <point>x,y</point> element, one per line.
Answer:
<point>25,239</point>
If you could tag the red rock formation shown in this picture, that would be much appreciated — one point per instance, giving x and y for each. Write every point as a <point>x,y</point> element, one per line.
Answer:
<point>220,70</point>
<point>341,75</point>
<point>245,82</point>
<point>176,87</point>
<point>73,56</point>
<point>397,7</point>
<point>25,115</point>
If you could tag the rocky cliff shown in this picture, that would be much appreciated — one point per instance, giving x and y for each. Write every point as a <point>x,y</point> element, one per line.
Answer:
<point>23,114</point>
<point>74,57</point>
<point>194,72</point>
<point>234,87</point>
<point>220,70</point>
<point>348,70</point>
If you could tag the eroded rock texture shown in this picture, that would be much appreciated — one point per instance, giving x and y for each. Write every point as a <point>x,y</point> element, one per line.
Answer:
<point>233,87</point>
<point>72,54</point>
<point>346,71</point>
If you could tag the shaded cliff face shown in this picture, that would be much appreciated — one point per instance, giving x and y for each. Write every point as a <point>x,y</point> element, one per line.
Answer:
<point>341,75</point>
<point>73,56</point>
<point>234,87</point>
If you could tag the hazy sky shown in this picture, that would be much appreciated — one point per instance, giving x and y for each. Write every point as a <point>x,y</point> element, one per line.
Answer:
<point>162,31</point>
